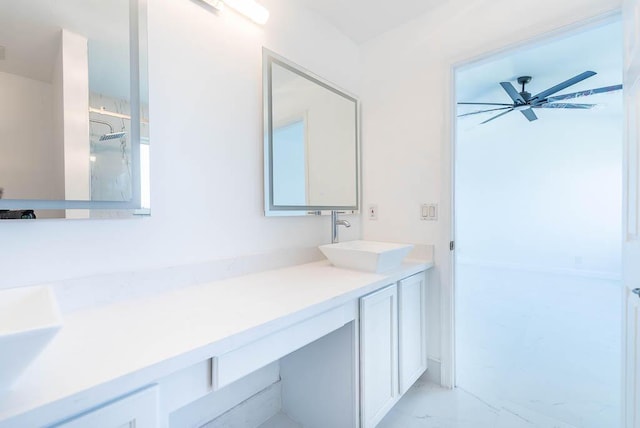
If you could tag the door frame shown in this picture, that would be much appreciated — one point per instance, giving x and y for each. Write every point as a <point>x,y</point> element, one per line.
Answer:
<point>448,289</point>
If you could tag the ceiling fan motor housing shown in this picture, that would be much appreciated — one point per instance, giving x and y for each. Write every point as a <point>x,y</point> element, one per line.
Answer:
<point>523,80</point>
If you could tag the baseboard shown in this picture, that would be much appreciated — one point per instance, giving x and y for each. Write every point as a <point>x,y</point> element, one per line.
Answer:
<point>587,273</point>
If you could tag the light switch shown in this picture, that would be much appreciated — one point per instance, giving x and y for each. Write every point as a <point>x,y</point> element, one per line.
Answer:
<point>429,212</point>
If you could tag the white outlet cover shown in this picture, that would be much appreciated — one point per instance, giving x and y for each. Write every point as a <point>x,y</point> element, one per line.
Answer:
<point>373,212</point>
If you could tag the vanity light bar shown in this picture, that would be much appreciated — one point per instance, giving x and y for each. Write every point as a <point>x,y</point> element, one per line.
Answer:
<point>249,8</point>
<point>216,4</point>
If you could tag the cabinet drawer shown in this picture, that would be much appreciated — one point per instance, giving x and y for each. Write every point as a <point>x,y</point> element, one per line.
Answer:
<point>138,410</point>
<point>238,363</point>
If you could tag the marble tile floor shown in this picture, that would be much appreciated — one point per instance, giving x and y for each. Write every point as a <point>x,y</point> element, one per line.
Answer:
<point>427,405</point>
<point>545,342</point>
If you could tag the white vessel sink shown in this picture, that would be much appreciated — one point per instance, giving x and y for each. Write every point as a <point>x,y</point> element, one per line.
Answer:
<point>29,318</point>
<point>368,256</point>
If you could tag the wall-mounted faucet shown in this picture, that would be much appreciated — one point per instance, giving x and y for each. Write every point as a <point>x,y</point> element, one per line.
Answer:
<point>334,226</point>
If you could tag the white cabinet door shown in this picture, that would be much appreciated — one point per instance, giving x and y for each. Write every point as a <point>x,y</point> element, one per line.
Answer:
<point>631,223</point>
<point>378,354</point>
<point>139,410</point>
<point>412,316</point>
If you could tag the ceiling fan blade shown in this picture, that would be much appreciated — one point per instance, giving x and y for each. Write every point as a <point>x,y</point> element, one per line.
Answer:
<point>513,93</point>
<point>483,111</point>
<point>560,86</point>
<point>486,104</point>
<point>529,114</point>
<point>566,105</point>
<point>495,117</point>
<point>585,93</point>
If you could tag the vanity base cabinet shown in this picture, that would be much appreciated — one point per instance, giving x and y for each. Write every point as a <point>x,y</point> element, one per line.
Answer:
<point>138,410</point>
<point>393,345</point>
<point>378,354</point>
<point>412,329</point>
<point>340,358</point>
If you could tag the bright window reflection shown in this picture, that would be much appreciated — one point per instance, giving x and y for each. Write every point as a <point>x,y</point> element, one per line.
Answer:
<point>145,178</point>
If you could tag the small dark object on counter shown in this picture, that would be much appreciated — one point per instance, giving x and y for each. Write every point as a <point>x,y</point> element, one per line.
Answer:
<point>17,214</point>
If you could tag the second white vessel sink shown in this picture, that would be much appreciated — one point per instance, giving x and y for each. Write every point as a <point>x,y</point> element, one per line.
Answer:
<point>370,256</point>
<point>29,318</point>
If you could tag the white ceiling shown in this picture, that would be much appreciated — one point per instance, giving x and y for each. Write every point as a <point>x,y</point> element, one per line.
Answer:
<point>598,49</point>
<point>549,62</point>
<point>362,20</point>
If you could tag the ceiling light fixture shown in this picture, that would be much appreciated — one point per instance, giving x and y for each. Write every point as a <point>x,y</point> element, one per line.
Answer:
<point>216,4</point>
<point>249,8</point>
<point>104,111</point>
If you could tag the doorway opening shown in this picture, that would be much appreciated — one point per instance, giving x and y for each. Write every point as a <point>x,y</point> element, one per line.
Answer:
<point>538,230</point>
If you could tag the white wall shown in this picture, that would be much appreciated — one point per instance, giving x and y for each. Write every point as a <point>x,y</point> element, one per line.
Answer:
<point>206,138</point>
<point>332,151</point>
<point>542,196</point>
<point>26,120</point>
<point>57,132</point>
<point>407,97</point>
<point>75,102</point>
<point>330,137</point>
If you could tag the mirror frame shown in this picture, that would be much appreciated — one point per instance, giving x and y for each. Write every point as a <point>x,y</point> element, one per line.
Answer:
<point>138,42</point>
<point>268,59</point>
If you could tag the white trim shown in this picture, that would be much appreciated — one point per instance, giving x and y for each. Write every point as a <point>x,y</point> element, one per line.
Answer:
<point>447,272</point>
<point>447,280</point>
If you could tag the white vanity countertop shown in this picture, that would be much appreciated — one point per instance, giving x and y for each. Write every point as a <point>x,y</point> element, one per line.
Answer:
<point>106,351</point>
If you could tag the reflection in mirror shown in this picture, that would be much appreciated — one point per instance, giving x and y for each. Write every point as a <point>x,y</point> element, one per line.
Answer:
<point>311,142</point>
<point>73,77</point>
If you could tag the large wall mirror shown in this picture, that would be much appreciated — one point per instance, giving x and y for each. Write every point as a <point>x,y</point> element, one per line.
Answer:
<point>311,136</point>
<point>74,128</point>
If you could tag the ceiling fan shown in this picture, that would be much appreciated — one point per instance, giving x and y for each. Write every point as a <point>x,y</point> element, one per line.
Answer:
<point>525,103</point>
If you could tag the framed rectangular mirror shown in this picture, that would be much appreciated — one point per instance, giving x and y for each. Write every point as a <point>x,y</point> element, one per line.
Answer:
<point>311,142</point>
<point>74,128</point>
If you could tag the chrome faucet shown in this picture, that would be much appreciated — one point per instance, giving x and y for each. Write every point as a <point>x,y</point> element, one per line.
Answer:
<point>334,226</point>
